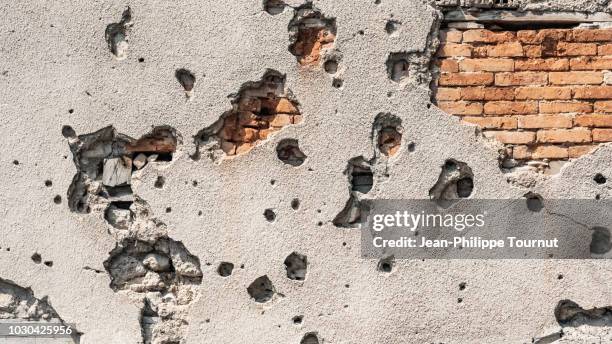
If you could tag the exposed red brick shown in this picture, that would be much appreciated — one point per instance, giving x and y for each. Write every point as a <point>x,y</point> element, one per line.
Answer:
<point>603,106</point>
<point>480,52</point>
<point>580,150</point>
<point>509,49</point>
<point>514,137</point>
<point>591,63</point>
<point>532,51</point>
<point>452,36</point>
<point>492,122</point>
<point>443,93</point>
<point>576,49</point>
<point>453,49</point>
<point>593,92</point>
<point>510,108</point>
<point>594,120</point>
<point>486,65</point>
<point>551,64</point>
<point>449,66</point>
<point>549,152</point>
<point>466,79</point>
<point>549,93</point>
<point>538,37</point>
<point>520,78</point>
<point>604,49</point>
<point>487,93</point>
<point>544,121</point>
<point>521,152</point>
<point>577,135</point>
<point>591,35</point>
<point>565,107</point>
<point>602,135</point>
<point>575,78</point>
<point>487,36</point>
<point>461,108</point>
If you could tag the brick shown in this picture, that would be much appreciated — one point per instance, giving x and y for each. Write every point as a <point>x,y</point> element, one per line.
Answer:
<point>449,66</point>
<point>523,93</point>
<point>575,78</point>
<point>593,92</point>
<point>544,121</point>
<point>565,107</point>
<point>576,49</point>
<point>228,147</point>
<point>577,135</point>
<point>244,147</point>
<point>487,36</point>
<point>591,35</point>
<point>514,137</point>
<point>461,108</point>
<point>603,106</point>
<point>509,49</point>
<point>444,93</point>
<point>492,122</point>
<point>487,93</point>
<point>281,120</point>
<point>286,106</point>
<point>542,64</point>
<point>591,63</point>
<point>602,135</point>
<point>510,108</point>
<point>486,65</point>
<point>532,51</point>
<point>453,49</point>
<point>466,79</point>
<point>595,120</point>
<point>521,152</point>
<point>452,36</point>
<point>521,78</point>
<point>604,49</point>
<point>549,152</point>
<point>297,118</point>
<point>537,37</point>
<point>580,150</point>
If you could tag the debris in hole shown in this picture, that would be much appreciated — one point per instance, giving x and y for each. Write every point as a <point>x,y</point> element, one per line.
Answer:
<point>36,258</point>
<point>392,26</point>
<point>116,35</point>
<point>288,151</point>
<point>139,161</point>
<point>331,66</point>
<point>258,110</point>
<point>310,34</point>
<point>569,313</point>
<point>599,178</point>
<point>600,240</point>
<point>310,338</point>
<point>261,289</point>
<point>386,264</point>
<point>270,215</point>
<point>119,215</point>
<point>455,181</point>
<point>387,133</point>
<point>534,202</point>
<point>68,132</point>
<point>296,265</point>
<point>117,171</point>
<point>225,269</point>
<point>274,7</point>
<point>187,80</point>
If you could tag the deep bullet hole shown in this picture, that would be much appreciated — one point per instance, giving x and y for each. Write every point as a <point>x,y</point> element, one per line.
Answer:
<point>296,265</point>
<point>320,223</point>
<point>288,151</point>
<point>116,35</point>
<point>70,111</point>
<point>258,110</point>
<point>159,182</point>
<point>534,202</point>
<point>310,338</point>
<point>57,199</point>
<point>428,105</point>
<point>199,213</point>
<point>68,132</point>
<point>194,183</point>
<point>599,179</point>
<point>48,183</point>
<point>225,269</point>
<point>272,182</point>
<point>377,2</point>
<point>274,7</point>
<point>392,26</point>
<point>331,66</point>
<point>398,66</point>
<point>455,181</point>
<point>295,204</point>
<point>462,286</point>
<point>360,32</point>
<point>560,277</point>
<point>361,176</point>
<point>387,133</point>
<point>187,79</point>
<point>297,320</point>
<point>15,162</point>
<point>36,258</point>
<point>600,240</point>
<point>459,300</point>
<point>337,83</point>
<point>411,147</point>
<point>168,210</point>
<point>597,197</point>
<point>261,290</point>
<point>569,313</point>
<point>270,215</point>
<point>310,34</point>
<point>361,179</point>
<point>48,263</point>
<point>386,264</point>
<point>141,59</point>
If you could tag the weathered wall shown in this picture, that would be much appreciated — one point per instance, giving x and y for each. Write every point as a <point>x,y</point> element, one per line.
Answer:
<point>57,70</point>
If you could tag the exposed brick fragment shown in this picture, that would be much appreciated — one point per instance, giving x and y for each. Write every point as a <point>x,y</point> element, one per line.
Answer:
<point>577,135</point>
<point>544,121</point>
<point>552,64</point>
<point>521,152</point>
<point>532,51</point>
<point>580,150</point>
<point>452,36</point>
<point>538,37</point>
<point>509,49</point>
<point>520,78</point>
<point>603,106</point>
<point>487,36</point>
<point>565,107</point>
<point>594,120</point>
<point>466,79</point>
<point>444,93</point>
<point>486,65</point>
<point>575,78</point>
<point>487,93</point>
<point>591,35</point>
<point>549,152</point>
<point>453,49</point>
<point>604,49</point>
<point>514,137</point>
<point>449,66</point>
<point>548,93</point>
<point>575,49</point>
<point>492,122</point>
<point>602,135</point>
<point>593,92</point>
<point>461,108</point>
<point>510,108</point>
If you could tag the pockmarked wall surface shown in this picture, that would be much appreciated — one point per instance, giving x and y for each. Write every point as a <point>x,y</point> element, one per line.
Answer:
<point>191,172</point>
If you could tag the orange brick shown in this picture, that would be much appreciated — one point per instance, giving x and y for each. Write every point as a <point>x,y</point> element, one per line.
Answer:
<point>591,35</point>
<point>602,135</point>
<point>576,49</point>
<point>521,78</point>
<point>486,65</point>
<point>577,135</point>
<point>480,52</point>
<point>604,49</point>
<point>510,108</point>
<point>549,152</point>
<point>509,49</point>
<point>565,107</point>
<point>514,137</point>
<point>487,93</point>
<point>461,108</point>
<point>603,106</point>
<point>492,122</point>
<point>443,93</point>
<point>449,66</point>
<point>453,49</point>
<point>523,93</point>
<point>532,51</point>
<point>284,105</point>
<point>521,152</point>
<point>575,78</point>
<point>544,121</point>
<point>487,36</point>
<point>537,37</point>
<point>580,150</point>
<point>591,63</point>
<point>593,92</point>
<point>452,36</point>
<point>596,120</point>
<point>542,64</point>
<point>466,79</point>
<point>281,120</point>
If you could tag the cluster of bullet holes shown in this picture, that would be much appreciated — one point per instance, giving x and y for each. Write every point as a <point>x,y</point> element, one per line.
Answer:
<point>116,35</point>
<point>599,179</point>
<point>225,269</point>
<point>311,34</point>
<point>274,7</point>
<point>600,241</point>
<point>387,133</point>
<point>37,259</point>
<point>261,290</point>
<point>288,151</point>
<point>456,181</point>
<point>187,79</point>
<point>569,313</point>
<point>386,264</point>
<point>310,338</point>
<point>260,109</point>
<point>535,202</point>
<point>297,320</point>
<point>296,266</point>
<point>361,179</point>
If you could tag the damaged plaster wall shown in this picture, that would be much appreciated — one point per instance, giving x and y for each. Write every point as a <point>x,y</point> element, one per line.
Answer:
<point>270,205</point>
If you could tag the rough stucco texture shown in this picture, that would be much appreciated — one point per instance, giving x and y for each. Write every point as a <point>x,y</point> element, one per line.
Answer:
<point>294,275</point>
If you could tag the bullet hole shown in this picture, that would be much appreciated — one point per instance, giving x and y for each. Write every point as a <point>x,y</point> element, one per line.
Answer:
<point>361,181</point>
<point>597,197</point>
<point>398,66</point>
<point>48,183</point>
<point>289,152</point>
<point>337,83</point>
<point>242,266</point>
<point>225,269</point>
<point>297,320</point>
<point>462,286</point>
<point>600,240</point>
<point>387,133</point>
<point>411,147</point>
<point>310,338</point>
<point>141,59</point>
<point>261,290</point>
<point>331,66</point>
<point>116,35</point>
<point>459,300</point>
<point>168,210</point>
<point>270,215</point>
<point>568,312</point>
<point>599,179</point>
<point>377,2</point>
<point>455,182</point>
<point>386,264</point>
<point>310,34</point>
<point>320,223</point>
<point>159,182</point>
<point>68,132</point>
<point>360,32</point>
<point>559,276</point>
<point>57,199</point>
<point>428,105</point>
<point>295,204</point>
<point>274,7</point>
<point>194,183</point>
<point>70,111</point>
<point>392,26</point>
<point>296,266</point>
<point>36,258</point>
<point>199,213</point>
<point>186,79</point>
<point>272,182</point>
<point>534,202</point>
<point>48,263</point>
<point>15,162</point>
